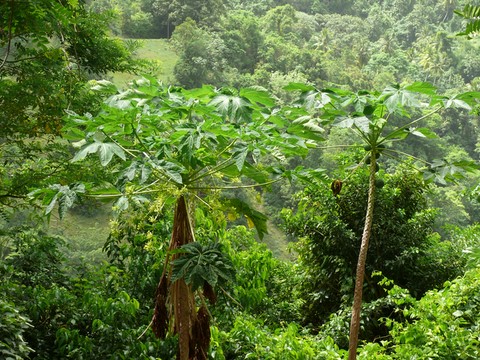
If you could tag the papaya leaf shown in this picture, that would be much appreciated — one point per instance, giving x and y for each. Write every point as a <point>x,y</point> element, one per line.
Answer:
<point>202,263</point>
<point>105,152</point>
<point>472,14</point>
<point>422,88</point>
<point>256,95</point>
<point>306,127</point>
<point>62,195</point>
<point>258,219</point>
<point>309,176</point>
<point>397,98</point>
<point>470,98</point>
<point>361,122</point>
<point>240,156</point>
<point>423,132</point>
<point>169,170</point>
<point>442,171</point>
<point>104,86</point>
<point>299,87</point>
<point>234,108</point>
<point>121,204</point>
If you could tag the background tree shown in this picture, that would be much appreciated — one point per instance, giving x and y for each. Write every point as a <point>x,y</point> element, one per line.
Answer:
<point>402,245</point>
<point>205,13</point>
<point>47,56</point>
<point>49,51</point>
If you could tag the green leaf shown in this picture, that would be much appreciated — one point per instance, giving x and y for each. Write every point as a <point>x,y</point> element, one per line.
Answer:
<point>62,195</point>
<point>88,149</point>
<point>121,204</point>
<point>299,86</point>
<point>309,176</point>
<point>441,171</point>
<point>239,156</point>
<point>306,127</point>
<point>471,13</point>
<point>233,108</point>
<point>397,98</point>
<point>168,169</point>
<point>105,152</point>
<point>457,103</point>
<point>398,134</point>
<point>258,96</point>
<point>422,88</point>
<point>104,86</point>
<point>360,122</point>
<point>198,263</point>
<point>465,100</point>
<point>424,132</point>
<point>106,189</point>
<point>258,219</point>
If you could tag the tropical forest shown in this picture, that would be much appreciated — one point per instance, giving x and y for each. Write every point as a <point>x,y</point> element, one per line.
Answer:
<point>226,179</point>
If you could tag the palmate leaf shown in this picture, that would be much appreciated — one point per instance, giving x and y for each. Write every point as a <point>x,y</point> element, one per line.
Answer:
<point>248,170</point>
<point>299,87</point>
<point>306,127</point>
<point>466,100</point>
<point>316,99</point>
<point>258,95</point>
<point>240,155</point>
<point>103,86</point>
<point>360,122</point>
<point>307,176</point>
<point>423,132</point>
<point>169,170</point>
<point>441,171</point>
<point>233,108</point>
<point>105,152</point>
<point>62,195</point>
<point>397,98</point>
<point>421,88</point>
<point>202,263</point>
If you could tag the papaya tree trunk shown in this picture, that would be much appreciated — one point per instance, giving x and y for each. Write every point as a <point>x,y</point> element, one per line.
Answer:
<point>362,259</point>
<point>175,303</point>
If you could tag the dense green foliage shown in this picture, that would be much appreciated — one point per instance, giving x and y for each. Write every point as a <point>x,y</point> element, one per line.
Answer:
<point>265,114</point>
<point>403,245</point>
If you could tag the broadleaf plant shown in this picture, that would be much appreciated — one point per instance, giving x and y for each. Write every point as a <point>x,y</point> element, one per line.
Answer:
<point>170,143</point>
<point>369,115</point>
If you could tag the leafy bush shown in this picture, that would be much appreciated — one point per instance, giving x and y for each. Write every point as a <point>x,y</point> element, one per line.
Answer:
<point>264,285</point>
<point>12,327</point>
<point>444,324</point>
<point>403,245</point>
<point>250,338</point>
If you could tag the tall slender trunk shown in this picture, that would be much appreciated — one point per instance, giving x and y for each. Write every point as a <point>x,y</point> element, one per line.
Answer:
<point>362,259</point>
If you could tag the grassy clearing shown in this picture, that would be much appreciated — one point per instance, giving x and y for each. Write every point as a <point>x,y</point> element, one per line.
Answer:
<point>85,234</point>
<point>277,242</point>
<point>152,49</point>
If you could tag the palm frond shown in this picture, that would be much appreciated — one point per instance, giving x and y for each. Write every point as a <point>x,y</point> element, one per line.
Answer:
<point>472,14</point>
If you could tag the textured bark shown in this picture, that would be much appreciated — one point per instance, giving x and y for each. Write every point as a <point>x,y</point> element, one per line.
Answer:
<point>362,259</point>
<point>175,302</point>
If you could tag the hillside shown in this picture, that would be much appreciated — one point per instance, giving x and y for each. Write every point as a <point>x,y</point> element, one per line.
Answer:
<point>163,56</point>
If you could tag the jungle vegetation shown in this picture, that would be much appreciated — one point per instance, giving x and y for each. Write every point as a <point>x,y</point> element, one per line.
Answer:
<point>303,184</point>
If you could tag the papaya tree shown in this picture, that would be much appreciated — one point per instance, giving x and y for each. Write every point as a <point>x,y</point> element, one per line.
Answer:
<point>176,146</point>
<point>379,120</point>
